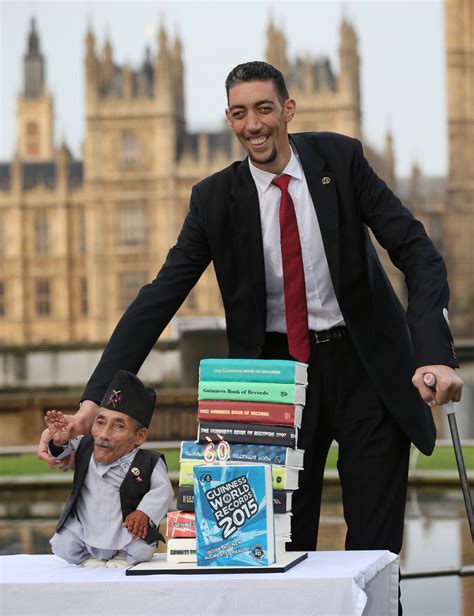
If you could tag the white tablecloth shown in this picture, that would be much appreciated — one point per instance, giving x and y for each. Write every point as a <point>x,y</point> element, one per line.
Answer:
<point>326,584</point>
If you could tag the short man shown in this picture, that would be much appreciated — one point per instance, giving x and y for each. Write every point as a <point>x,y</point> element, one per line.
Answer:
<point>362,349</point>
<point>120,492</point>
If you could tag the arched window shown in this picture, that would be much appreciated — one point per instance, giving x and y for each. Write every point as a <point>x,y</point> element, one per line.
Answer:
<point>130,150</point>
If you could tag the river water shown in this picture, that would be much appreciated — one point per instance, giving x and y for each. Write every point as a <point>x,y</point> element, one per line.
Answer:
<point>437,537</point>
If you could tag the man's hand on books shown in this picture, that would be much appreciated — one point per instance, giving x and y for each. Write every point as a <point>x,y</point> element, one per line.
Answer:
<point>137,524</point>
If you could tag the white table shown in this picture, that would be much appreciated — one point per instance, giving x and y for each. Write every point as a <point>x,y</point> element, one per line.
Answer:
<point>325,584</point>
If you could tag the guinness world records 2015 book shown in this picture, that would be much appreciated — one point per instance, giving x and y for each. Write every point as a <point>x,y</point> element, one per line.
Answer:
<point>282,500</point>
<point>234,515</point>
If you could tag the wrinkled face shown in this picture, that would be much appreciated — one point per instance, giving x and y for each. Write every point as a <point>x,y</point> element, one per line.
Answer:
<point>114,435</point>
<point>259,120</point>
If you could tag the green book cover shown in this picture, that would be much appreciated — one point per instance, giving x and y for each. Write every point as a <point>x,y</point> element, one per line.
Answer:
<point>253,370</point>
<point>259,392</point>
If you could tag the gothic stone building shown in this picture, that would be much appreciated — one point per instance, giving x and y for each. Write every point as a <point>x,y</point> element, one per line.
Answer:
<point>459,220</point>
<point>79,237</point>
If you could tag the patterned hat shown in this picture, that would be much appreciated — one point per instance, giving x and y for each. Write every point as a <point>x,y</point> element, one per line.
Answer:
<point>127,394</point>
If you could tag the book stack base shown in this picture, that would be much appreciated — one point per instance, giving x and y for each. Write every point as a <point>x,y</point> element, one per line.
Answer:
<point>160,566</point>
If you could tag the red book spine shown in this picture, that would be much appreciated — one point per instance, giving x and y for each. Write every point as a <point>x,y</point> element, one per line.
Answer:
<point>180,524</point>
<point>242,411</point>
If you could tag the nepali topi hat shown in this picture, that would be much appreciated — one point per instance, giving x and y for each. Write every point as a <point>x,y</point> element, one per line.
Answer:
<point>127,394</point>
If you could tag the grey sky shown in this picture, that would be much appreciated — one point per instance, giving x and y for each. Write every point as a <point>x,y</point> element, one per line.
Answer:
<point>401,45</point>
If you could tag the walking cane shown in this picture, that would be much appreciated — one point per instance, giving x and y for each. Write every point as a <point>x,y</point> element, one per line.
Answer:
<point>430,380</point>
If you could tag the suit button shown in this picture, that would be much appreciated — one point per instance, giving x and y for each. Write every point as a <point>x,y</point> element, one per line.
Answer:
<point>259,347</point>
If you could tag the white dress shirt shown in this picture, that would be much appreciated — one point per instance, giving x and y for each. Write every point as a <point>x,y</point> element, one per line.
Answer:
<point>323,308</point>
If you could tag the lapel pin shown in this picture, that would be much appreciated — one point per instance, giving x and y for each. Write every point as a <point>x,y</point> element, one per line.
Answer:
<point>136,471</point>
<point>325,180</point>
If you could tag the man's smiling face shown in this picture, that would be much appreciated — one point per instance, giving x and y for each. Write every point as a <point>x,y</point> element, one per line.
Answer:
<point>259,120</point>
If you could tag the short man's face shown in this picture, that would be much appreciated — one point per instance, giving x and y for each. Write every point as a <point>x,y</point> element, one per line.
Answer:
<point>259,120</point>
<point>114,435</point>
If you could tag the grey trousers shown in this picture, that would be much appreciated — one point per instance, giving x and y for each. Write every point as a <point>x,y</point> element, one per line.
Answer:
<point>71,548</point>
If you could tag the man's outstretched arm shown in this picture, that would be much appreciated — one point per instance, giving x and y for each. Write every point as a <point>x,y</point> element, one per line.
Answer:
<point>144,320</point>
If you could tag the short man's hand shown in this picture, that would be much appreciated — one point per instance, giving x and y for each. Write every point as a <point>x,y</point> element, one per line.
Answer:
<point>448,385</point>
<point>81,423</point>
<point>137,524</point>
<point>59,427</point>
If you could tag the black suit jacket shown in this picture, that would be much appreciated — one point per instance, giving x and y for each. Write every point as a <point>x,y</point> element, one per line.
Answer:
<point>223,226</point>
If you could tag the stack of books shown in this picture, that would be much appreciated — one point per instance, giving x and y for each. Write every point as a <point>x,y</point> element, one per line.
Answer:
<point>181,531</point>
<point>256,406</point>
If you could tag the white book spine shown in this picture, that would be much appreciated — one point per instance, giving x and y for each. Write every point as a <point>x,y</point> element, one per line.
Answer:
<point>181,551</point>
<point>283,523</point>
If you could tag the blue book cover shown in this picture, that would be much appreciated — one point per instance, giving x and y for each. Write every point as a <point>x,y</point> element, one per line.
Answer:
<point>234,515</point>
<point>253,370</point>
<point>248,452</point>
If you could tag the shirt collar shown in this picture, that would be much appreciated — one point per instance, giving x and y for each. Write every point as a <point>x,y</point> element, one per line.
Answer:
<point>263,179</point>
<point>124,462</point>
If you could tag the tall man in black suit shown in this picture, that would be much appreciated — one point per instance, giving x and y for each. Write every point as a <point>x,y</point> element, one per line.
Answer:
<point>367,357</point>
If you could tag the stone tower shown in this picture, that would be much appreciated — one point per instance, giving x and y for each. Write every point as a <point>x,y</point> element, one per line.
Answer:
<point>459,222</point>
<point>134,124</point>
<point>35,114</point>
<point>325,101</point>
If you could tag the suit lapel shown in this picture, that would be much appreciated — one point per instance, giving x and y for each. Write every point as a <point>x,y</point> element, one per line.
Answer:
<point>245,212</point>
<point>322,186</point>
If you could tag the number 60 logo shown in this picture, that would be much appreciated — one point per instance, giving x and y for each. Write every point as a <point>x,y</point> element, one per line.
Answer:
<point>221,453</point>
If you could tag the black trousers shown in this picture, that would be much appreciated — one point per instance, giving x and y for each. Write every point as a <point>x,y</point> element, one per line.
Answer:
<point>342,404</point>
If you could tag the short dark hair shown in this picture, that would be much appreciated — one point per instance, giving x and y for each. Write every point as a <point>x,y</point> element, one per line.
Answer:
<point>257,71</point>
<point>136,425</point>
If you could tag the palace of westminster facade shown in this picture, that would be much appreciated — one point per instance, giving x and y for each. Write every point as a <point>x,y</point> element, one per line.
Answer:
<point>79,238</point>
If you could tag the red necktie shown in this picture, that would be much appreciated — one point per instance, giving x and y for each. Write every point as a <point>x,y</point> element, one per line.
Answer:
<point>296,308</point>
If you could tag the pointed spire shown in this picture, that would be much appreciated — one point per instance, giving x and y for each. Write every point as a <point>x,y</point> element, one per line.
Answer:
<point>147,65</point>
<point>127,81</point>
<point>390,176</point>
<point>348,35</point>
<point>178,78</point>
<point>107,66</point>
<point>107,51</point>
<point>272,45</point>
<point>389,143</point>
<point>62,158</point>
<point>163,73</point>
<point>276,48</point>
<point>147,60</point>
<point>308,75</point>
<point>178,48</point>
<point>33,65</point>
<point>91,66</point>
<point>90,41</point>
<point>415,181</point>
<point>162,40</point>
<point>163,58</point>
<point>349,62</point>
<point>64,150</point>
<point>33,40</point>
